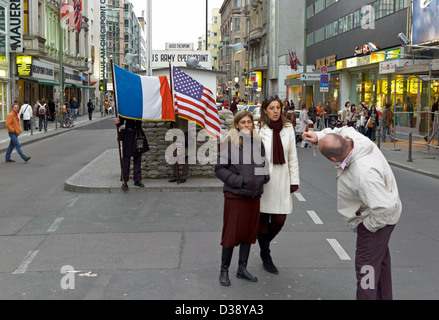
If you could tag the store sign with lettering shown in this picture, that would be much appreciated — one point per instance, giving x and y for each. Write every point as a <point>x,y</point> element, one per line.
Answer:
<point>24,65</point>
<point>15,21</point>
<point>161,59</point>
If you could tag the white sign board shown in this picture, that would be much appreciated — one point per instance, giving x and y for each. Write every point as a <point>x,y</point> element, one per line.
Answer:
<point>161,59</point>
<point>16,22</point>
<point>310,76</point>
<point>179,46</point>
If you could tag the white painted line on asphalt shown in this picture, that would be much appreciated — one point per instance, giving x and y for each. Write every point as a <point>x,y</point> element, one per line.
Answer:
<point>26,262</point>
<point>314,217</point>
<point>299,196</point>
<point>338,249</point>
<point>72,202</point>
<point>55,225</point>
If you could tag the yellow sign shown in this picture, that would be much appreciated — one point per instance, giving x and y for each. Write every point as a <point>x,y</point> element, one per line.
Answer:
<point>24,65</point>
<point>341,64</point>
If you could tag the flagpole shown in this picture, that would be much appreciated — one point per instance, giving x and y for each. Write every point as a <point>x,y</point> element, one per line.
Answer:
<point>116,115</point>
<point>177,169</point>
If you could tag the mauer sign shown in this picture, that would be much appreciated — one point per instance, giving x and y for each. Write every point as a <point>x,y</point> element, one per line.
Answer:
<point>161,59</point>
<point>16,25</point>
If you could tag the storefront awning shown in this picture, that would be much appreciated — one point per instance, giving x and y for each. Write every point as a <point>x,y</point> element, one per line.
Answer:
<point>41,82</point>
<point>420,68</point>
<point>85,87</point>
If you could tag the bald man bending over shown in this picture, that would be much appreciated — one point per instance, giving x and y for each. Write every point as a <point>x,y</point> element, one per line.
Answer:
<point>368,199</point>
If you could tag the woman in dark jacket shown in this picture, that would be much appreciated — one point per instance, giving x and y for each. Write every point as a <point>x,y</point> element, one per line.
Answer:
<point>241,166</point>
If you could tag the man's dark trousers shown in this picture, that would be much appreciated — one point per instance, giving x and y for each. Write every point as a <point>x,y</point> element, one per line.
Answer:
<point>372,263</point>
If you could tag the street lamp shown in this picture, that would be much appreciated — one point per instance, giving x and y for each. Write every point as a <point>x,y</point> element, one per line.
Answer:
<point>129,57</point>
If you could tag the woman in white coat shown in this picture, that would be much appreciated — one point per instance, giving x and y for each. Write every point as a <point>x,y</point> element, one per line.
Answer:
<point>279,140</point>
<point>303,119</point>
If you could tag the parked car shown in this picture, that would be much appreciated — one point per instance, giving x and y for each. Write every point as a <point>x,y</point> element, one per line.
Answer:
<point>257,114</point>
<point>241,107</point>
<point>251,108</point>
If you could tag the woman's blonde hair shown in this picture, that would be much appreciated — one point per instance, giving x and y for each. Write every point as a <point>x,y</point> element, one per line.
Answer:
<point>233,134</point>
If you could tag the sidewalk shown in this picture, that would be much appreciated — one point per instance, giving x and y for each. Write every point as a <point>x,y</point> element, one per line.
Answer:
<point>102,174</point>
<point>26,137</point>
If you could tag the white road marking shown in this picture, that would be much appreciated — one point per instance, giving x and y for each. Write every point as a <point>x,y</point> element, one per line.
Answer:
<point>55,225</point>
<point>338,249</point>
<point>72,202</point>
<point>299,196</point>
<point>314,217</point>
<point>26,262</point>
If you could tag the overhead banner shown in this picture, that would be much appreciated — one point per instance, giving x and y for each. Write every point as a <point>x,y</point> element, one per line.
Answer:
<point>425,25</point>
<point>16,23</point>
<point>161,59</point>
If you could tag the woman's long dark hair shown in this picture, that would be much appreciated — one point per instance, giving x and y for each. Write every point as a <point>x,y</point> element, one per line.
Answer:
<point>264,119</point>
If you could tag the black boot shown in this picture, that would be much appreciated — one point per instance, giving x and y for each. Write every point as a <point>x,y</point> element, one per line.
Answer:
<point>264,244</point>
<point>226,257</point>
<point>244,252</point>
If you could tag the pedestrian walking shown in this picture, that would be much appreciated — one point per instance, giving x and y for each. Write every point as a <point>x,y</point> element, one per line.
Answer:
<point>387,123</point>
<point>372,123</point>
<point>290,114</point>
<point>240,166</point>
<point>303,119</point>
<point>346,113</point>
<point>134,143</point>
<point>434,110</point>
<point>312,113</point>
<point>234,105</point>
<point>12,123</point>
<point>368,200</point>
<point>26,114</point>
<point>279,140</point>
<point>328,111</point>
<point>51,110</point>
<point>319,110</point>
<point>43,114</point>
<point>74,105</point>
<point>90,109</point>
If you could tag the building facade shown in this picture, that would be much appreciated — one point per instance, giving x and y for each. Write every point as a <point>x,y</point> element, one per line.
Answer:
<point>269,29</point>
<point>358,42</point>
<point>233,31</point>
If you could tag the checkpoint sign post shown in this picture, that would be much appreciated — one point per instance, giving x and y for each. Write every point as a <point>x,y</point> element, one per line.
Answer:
<point>324,87</point>
<point>324,79</point>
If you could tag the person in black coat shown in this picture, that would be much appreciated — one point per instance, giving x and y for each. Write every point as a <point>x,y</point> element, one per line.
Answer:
<point>241,166</point>
<point>129,135</point>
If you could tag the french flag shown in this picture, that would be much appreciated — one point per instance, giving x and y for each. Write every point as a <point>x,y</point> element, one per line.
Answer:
<point>142,97</point>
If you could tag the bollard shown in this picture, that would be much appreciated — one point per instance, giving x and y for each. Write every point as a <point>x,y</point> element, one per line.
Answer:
<point>410,148</point>
<point>379,137</point>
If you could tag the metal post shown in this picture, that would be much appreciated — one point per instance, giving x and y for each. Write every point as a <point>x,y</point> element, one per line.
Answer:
<point>61,69</point>
<point>149,34</point>
<point>248,60</point>
<point>379,138</point>
<point>410,148</point>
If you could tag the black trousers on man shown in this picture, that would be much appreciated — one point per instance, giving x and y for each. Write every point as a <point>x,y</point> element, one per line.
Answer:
<point>372,264</point>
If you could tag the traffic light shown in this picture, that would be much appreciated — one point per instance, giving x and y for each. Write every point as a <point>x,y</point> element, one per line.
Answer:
<point>101,85</point>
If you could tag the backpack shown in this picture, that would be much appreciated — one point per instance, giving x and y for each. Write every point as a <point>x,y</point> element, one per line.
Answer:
<point>41,110</point>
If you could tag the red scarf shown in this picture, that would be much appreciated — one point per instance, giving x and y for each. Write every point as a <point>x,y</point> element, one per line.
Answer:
<point>278,149</point>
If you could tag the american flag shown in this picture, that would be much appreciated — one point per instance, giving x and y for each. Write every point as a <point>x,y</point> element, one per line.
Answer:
<point>294,61</point>
<point>195,102</point>
<point>72,11</point>
<point>78,14</point>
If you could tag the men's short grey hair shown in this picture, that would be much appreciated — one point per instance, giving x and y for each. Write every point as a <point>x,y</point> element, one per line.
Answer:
<point>337,148</point>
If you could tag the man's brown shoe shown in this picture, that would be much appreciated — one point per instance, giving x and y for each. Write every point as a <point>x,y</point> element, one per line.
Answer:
<point>10,160</point>
<point>27,159</point>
